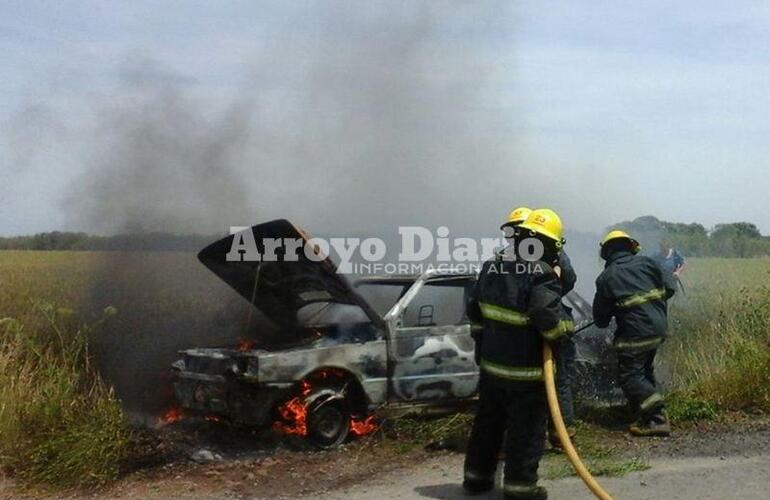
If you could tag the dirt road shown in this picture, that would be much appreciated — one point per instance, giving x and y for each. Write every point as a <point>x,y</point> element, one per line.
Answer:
<point>691,478</point>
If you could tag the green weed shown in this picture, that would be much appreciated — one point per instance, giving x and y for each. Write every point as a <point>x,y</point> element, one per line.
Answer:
<point>59,424</point>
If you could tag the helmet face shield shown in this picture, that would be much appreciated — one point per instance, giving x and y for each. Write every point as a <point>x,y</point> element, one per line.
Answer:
<point>509,229</point>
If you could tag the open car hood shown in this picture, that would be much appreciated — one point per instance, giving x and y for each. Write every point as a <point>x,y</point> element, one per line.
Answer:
<point>281,287</point>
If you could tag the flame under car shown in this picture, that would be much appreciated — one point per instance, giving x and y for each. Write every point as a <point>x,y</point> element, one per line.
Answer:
<point>407,349</point>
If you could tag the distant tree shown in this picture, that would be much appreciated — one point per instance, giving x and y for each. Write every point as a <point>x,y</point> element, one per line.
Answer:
<point>737,239</point>
<point>741,239</point>
<point>736,229</point>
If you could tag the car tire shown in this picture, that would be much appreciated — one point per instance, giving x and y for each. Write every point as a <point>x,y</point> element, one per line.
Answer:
<point>328,422</point>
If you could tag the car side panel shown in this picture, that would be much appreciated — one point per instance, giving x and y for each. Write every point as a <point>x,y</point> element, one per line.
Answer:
<point>366,361</point>
<point>433,364</point>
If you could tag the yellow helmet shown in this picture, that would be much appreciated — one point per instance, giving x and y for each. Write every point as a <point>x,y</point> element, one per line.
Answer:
<point>546,222</point>
<point>617,234</point>
<point>517,216</point>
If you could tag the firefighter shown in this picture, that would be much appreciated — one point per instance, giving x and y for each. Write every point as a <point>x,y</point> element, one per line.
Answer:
<point>518,303</point>
<point>634,290</point>
<point>565,355</point>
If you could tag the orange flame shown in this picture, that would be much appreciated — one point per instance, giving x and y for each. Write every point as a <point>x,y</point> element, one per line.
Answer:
<point>363,426</point>
<point>172,415</point>
<point>294,413</point>
<point>245,345</point>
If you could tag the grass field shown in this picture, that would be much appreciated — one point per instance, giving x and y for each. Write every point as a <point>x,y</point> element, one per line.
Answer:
<point>719,348</point>
<point>61,425</point>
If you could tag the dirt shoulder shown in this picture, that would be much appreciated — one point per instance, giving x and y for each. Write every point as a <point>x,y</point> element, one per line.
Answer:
<point>283,470</point>
<point>288,471</point>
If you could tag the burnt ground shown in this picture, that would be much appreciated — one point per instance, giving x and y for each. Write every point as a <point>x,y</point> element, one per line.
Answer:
<point>248,464</point>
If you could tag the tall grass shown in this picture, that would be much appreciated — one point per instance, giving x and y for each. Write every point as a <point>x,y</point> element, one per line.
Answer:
<point>719,349</point>
<point>59,424</point>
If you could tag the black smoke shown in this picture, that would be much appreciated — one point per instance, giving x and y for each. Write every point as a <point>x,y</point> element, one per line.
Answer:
<point>373,115</point>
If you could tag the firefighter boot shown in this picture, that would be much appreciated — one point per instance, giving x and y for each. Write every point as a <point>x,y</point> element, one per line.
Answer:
<point>655,425</point>
<point>524,491</point>
<point>477,486</point>
<point>474,483</point>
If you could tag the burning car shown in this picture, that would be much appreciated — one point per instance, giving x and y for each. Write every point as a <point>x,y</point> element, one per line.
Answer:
<point>345,360</point>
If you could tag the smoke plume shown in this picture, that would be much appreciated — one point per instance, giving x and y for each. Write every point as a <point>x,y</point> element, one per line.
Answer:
<point>373,117</point>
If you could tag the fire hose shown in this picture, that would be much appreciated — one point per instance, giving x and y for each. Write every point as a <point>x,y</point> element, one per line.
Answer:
<point>561,429</point>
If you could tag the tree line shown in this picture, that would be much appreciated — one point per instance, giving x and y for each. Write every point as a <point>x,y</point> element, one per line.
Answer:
<point>62,240</point>
<point>737,239</point>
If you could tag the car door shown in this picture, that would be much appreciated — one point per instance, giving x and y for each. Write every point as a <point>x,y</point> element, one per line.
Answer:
<point>431,349</point>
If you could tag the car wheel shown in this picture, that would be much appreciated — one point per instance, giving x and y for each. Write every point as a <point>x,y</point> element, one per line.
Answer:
<point>328,422</point>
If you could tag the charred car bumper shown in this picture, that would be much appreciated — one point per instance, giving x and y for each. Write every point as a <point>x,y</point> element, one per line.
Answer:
<point>224,383</point>
<point>237,402</point>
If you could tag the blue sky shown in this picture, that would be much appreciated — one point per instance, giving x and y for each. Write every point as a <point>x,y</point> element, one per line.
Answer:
<point>605,110</point>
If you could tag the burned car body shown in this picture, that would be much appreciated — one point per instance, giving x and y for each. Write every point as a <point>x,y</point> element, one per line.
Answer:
<point>350,360</point>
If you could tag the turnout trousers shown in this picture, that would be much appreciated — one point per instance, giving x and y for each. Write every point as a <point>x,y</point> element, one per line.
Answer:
<point>637,380</point>
<point>518,410</point>
<point>565,368</point>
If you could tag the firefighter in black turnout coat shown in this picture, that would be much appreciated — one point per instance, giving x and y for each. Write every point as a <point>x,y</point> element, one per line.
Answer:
<point>565,354</point>
<point>518,303</point>
<point>634,289</point>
